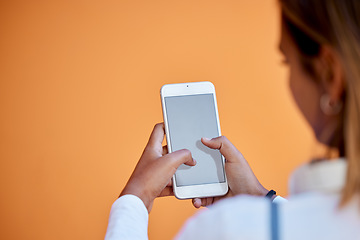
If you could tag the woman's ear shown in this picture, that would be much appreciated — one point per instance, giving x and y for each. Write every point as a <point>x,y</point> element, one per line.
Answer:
<point>330,72</point>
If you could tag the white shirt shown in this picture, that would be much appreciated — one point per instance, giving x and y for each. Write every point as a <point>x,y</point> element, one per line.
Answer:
<point>312,213</point>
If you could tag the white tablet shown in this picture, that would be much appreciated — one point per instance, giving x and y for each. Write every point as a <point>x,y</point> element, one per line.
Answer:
<point>190,113</point>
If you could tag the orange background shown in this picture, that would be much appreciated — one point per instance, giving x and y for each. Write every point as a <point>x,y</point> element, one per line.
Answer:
<point>79,95</point>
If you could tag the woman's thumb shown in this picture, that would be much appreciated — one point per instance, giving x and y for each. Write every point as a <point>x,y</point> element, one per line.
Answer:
<point>226,148</point>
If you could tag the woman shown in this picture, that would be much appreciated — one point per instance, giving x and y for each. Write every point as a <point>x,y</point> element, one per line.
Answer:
<point>320,41</point>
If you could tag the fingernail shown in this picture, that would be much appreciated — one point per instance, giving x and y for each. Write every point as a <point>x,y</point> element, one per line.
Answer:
<point>194,161</point>
<point>206,139</point>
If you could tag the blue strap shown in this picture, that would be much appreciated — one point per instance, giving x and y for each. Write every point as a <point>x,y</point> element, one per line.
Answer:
<point>274,221</point>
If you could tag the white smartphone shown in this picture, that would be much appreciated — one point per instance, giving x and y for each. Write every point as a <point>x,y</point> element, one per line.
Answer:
<point>190,113</point>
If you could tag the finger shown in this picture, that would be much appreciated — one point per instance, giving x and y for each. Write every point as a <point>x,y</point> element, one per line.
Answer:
<point>167,191</point>
<point>196,202</point>
<point>202,202</point>
<point>165,150</point>
<point>207,201</point>
<point>175,159</point>
<point>157,137</point>
<point>227,149</point>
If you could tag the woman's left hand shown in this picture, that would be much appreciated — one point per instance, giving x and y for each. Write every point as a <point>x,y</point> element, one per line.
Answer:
<point>152,175</point>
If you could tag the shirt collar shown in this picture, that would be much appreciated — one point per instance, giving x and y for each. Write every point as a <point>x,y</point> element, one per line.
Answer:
<point>327,176</point>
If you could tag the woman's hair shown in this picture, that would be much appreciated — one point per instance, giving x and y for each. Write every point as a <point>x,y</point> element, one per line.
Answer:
<point>312,24</point>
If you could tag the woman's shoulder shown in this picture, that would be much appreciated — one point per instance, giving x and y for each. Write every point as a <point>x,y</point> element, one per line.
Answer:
<point>249,217</point>
<point>320,216</point>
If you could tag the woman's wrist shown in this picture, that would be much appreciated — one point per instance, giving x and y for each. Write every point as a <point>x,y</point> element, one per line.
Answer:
<point>136,192</point>
<point>261,191</point>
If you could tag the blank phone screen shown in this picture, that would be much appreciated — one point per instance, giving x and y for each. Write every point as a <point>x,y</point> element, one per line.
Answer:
<point>190,118</point>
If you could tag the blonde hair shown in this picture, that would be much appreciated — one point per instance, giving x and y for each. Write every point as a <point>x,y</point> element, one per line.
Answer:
<point>337,23</point>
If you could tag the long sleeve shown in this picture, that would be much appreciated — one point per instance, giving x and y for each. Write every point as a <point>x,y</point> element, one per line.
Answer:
<point>280,200</point>
<point>128,219</point>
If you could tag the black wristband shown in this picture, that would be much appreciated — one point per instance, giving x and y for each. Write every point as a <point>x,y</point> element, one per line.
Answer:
<point>270,194</point>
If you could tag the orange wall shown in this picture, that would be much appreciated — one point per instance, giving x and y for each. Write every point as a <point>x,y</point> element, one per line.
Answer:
<point>79,95</point>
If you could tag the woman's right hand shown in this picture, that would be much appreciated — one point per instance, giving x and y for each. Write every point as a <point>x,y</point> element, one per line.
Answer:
<point>240,177</point>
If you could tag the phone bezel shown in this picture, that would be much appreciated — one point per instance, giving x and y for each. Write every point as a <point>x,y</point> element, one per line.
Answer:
<point>183,89</point>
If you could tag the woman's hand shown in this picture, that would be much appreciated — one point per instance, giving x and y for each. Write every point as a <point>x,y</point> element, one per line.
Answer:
<point>240,177</point>
<point>152,175</point>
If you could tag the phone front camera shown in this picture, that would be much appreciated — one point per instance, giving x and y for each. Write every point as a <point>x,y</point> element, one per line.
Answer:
<point>187,85</point>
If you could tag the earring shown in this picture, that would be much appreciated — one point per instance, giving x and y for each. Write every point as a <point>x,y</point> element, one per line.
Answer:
<point>328,107</point>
